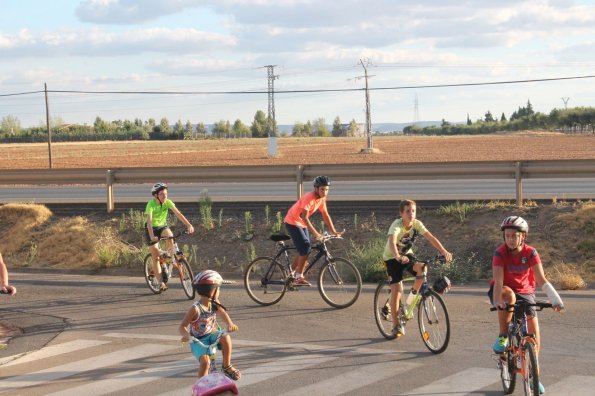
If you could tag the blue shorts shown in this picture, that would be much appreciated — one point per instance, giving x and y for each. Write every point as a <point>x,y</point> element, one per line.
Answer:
<point>210,340</point>
<point>301,239</point>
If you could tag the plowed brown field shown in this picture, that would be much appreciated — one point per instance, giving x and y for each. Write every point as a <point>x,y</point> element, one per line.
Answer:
<point>393,149</point>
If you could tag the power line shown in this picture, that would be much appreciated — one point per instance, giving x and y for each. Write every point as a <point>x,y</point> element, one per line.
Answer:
<point>259,92</point>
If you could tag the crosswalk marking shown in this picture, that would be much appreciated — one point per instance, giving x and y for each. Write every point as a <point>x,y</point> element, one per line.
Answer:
<point>575,385</point>
<point>90,364</point>
<point>354,379</point>
<point>260,364</point>
<point>461,383</point>
<point>136,377</point>
<point>50,351</point>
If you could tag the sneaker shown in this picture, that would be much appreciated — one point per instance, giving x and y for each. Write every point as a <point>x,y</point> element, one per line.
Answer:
<point>500,344</point>
<point>541,388</point>
<point>301,282</point>
<point>398,330</point>
<point>163,287</point>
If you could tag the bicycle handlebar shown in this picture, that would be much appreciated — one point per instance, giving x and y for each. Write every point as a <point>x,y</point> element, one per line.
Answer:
<point>176,235</point>
<point>521,304</point>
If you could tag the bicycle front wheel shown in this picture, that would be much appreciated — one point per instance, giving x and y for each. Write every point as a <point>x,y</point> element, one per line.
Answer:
<point>265,281</point>
<point>339,283</point>
<point>508,366</point>
<point>186,278</point>
<point>382,311</point>
<point>530,376</point>
<point>150,278</point>
<point>434,324</point>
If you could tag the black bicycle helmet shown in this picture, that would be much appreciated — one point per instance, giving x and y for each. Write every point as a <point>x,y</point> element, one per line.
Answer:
<point>322,181</point>
<point>157,187</point>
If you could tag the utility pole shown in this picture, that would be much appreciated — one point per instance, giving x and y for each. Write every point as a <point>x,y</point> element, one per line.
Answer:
<point>565,100</point>
<point>47,120</point>
<point>415,111</point>
<point>370,148</point>
<point>271,114</point>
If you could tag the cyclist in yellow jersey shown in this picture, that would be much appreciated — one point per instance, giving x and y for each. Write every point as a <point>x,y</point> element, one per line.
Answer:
<point>398,256</point>
<point>156,225</point>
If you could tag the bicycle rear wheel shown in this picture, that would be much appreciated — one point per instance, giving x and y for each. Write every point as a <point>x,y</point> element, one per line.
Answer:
<point>530,376</point>
<point>339,283</point>
<point>152,281</point>
<point>382,311</point>
<point>265,281</point>
<point>434,324</point>
<point>186,278</point>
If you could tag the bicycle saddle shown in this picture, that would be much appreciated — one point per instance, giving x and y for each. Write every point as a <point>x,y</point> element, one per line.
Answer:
<point>280,237</point>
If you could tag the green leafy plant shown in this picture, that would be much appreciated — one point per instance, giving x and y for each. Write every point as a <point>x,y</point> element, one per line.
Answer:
<point>205,209</point>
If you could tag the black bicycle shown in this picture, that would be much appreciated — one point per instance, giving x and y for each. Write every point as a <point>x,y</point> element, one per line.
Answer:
<point>168,263</point>
<point>520,356</point>
<point>267,279</point>
<point>432,315</point>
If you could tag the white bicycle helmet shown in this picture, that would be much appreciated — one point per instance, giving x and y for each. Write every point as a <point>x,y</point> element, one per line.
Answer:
<point>158,187</point>
<point>205,281</point>
<point>516,223</point>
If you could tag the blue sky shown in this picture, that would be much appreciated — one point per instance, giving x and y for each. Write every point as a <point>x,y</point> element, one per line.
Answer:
<point>222,46</point>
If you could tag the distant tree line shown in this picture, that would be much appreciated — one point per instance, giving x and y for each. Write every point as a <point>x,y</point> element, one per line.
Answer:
<point>574,120</point>
<point>261,127</point>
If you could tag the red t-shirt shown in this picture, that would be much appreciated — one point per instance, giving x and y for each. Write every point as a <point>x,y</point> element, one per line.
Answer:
<point>518,271</point>
<point>307,202</point>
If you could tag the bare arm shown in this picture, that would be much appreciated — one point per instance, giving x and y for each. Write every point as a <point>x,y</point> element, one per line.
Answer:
<point>190,316</point>
<point>183,219</point>
<point>4,285</point>
<point>498,274</point>
<point>438,246</point>
<point>327,219</point>
<point>313,231</point>
<point>152,236</point>
<point>392,241</point>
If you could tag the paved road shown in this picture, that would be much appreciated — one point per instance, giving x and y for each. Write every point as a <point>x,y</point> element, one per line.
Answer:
<point>342,191</point>
<point>95,335</point>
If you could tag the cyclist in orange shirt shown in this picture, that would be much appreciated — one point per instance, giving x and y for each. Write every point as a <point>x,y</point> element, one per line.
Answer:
<point>299,227</point>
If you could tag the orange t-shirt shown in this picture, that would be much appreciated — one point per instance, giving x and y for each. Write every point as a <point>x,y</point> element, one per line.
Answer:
<point>307,202</point>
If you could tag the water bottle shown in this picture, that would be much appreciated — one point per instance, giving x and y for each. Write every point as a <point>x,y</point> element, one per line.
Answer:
<point>411,297</point>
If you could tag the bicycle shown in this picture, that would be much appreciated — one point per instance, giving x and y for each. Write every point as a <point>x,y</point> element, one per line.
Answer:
<point>167,264</point>
<point>214,381</point>
<point>432,315</point>
<point>519,356</point>
<point>267,279</point>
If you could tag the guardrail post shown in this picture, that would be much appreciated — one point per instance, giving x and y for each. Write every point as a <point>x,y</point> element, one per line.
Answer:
<point>299,176</point>
<point>518,175</point>
<point>109,182</point>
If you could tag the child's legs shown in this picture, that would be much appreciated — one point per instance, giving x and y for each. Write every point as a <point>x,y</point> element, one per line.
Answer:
<point>301,240</point>
<point>419,269</point>
<point>205,363</point>
<point>396,290</point>
<point>169,244</point>
<point>154,249</point>
<point>504,316</point>
<point>299,263</point>
<point>533,328</point>
<point>226,350</point>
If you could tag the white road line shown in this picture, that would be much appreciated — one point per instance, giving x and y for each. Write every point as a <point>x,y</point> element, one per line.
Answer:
<point>358,377</point>
<point>277,345</point>
<point>575,385</point>
<point>272,369</point>
<point>461,383</point>
<point>137,377</point>
<point>51,351</point>
<point>80,366</point>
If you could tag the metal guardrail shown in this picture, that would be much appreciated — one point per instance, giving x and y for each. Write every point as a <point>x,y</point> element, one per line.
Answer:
<point>517,170</point>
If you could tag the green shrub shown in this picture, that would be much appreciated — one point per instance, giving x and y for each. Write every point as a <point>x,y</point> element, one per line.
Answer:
<point>368,259</point>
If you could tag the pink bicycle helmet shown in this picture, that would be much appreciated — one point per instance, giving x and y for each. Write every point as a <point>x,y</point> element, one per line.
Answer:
<point>205,281</point>
<point>516,223</point>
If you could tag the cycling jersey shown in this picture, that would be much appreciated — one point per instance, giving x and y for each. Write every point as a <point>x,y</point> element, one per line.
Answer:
<point>405,238</point>
<point>518,271</point>
<point>308,202</point>
<point>158,211</point>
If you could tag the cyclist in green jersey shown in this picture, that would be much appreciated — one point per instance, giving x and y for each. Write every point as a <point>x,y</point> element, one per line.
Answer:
<point>156,226</point>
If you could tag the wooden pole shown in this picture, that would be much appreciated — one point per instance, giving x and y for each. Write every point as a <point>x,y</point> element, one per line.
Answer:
<point>47,119</point>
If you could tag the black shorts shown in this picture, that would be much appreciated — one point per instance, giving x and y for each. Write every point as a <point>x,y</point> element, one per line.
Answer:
<point>530,311</point>
<point>395,269</point>
<point>157,231</point>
